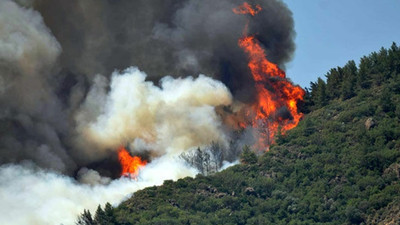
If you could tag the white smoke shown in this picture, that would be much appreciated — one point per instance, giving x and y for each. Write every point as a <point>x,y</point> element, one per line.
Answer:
<point>27,53</point>
<point>25,42</point>
<point>126,110</point>
<point>177,116</point>
<point>167,120</point>
<point>34,196</point>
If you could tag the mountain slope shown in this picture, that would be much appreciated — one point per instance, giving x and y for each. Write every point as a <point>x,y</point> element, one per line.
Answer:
<point>340,165</point>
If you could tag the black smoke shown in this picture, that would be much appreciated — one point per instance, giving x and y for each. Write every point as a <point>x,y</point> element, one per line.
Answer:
<point>165,37</point>
<point>76,39</point>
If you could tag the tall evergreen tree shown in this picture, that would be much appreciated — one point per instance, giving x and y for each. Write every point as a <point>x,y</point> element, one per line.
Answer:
<point>85,218</point>
<point>394,58</point>
<point>321,96</point>
<point>364,73</point>
<point>106,216</point>
<point>349,80</point>
<point>334,80</point>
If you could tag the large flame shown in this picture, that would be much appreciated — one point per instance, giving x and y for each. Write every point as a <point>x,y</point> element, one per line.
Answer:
<point>274,93</point>
<point>130,165</point>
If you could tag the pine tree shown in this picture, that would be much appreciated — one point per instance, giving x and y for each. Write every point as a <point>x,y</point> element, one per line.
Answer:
<point>106,216</point>
<point>394,58</point>
<point>248,156</point>
<point>109,213</point>
<point>100,215</point>
<point>85,218</point>
<point>321,96</point>
<point>364,73</point>
<point>349,80</point>
<point>334,80</point>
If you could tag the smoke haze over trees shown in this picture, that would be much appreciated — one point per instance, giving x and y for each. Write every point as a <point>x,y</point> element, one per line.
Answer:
<point>53,51</point>
<point>79,79</point>
<point>340,165</point>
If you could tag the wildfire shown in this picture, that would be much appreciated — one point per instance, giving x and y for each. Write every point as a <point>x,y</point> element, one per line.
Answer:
<point>274,92</point>
<point>130,165</point>
<point>247,9</point>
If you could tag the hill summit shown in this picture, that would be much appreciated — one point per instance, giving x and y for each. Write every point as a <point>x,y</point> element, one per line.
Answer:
<point>340,165</point>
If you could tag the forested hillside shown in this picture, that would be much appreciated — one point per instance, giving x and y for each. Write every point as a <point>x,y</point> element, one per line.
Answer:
<point>340,165</point>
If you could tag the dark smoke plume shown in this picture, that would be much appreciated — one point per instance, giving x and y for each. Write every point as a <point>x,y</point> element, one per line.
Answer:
<point>165,37</point>
<point>61,46</point>
<point>73,89</point>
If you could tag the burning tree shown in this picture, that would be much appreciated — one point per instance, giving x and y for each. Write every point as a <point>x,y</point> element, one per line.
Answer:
<point>276,97</point>
<point>208,160</point>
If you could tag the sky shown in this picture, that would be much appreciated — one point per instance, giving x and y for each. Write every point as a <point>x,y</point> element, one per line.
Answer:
<point>332,32</point>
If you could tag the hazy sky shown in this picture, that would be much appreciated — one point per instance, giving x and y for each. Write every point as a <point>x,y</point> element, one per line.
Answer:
<point>332,32</point>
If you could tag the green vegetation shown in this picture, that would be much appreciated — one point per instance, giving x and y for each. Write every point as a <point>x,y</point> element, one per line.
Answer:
<point>341,165</point>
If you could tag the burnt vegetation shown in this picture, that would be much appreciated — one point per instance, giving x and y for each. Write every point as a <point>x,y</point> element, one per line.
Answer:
<point>340,165</point>
<point>207,161</point>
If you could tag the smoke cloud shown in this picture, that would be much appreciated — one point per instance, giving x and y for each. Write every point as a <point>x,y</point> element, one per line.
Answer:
<point>34,196</point>
<point>31,118</point>
<point>161,37</point>
<point>67,101</point>
<point>52,53</point>
<point>177,116</point>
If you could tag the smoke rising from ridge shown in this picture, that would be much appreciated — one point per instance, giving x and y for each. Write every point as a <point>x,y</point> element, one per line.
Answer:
<point>165,37</point>
<point>67,100</point>
<point>51,55</point>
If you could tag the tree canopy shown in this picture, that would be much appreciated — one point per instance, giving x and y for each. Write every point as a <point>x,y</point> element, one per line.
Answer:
<point>340,165</point>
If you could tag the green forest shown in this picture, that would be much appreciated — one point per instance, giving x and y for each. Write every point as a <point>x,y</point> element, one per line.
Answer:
<point>340,165</point>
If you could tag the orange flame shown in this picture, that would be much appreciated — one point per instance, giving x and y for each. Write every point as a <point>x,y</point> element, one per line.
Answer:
<point>247,9</point>
<point>130,165</point>
<point>273,90</point>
